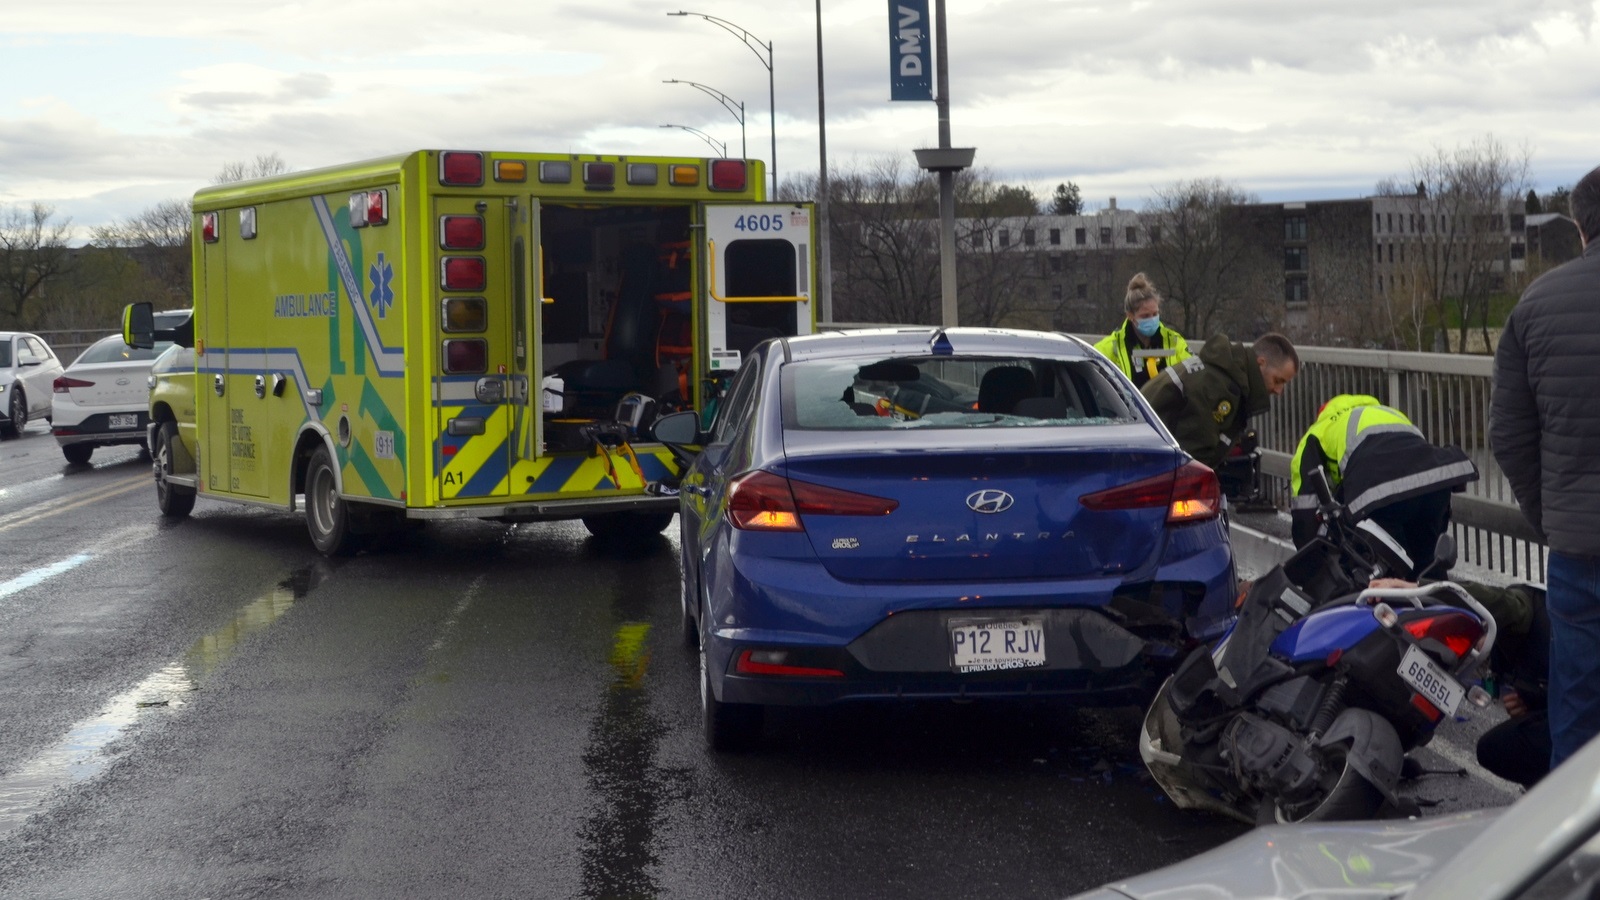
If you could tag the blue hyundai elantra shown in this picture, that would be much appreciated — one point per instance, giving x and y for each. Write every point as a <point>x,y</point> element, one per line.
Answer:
<point>920,513</point>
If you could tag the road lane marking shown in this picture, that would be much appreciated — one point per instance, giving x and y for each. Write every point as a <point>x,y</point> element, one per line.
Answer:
<point>71,502</point>
<point>448,626</point>
<point>29,579</point>
<point>94,743</point>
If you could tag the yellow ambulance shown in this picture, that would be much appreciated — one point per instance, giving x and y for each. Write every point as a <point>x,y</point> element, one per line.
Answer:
<point>460,333</point>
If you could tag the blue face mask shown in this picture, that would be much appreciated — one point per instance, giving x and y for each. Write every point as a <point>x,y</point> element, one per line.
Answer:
<point>1148,327</point>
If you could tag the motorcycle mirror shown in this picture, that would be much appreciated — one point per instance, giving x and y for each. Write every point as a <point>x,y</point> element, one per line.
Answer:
<point>1444,558</point>
<point>1319,482</point>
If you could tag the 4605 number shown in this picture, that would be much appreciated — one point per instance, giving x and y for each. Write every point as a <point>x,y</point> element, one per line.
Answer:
<point>759,223</point>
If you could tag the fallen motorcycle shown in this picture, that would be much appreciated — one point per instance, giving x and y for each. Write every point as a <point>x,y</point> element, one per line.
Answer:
<point>1305,709</point>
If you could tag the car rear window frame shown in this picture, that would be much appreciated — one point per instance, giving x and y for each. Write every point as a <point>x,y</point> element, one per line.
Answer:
<point>1114,387</point>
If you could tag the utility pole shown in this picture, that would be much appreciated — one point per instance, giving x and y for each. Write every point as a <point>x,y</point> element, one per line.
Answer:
<point>824,238</point>
<point>947,161</point>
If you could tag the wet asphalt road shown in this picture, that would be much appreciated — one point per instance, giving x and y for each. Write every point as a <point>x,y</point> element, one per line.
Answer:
<point>210,709</point>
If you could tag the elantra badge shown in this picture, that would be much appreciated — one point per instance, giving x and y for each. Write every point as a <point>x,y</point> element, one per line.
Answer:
<point>990,501</point>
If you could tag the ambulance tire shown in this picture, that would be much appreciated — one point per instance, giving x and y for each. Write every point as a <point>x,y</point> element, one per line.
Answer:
<point>327,514</point>
<point>627,527</point>
<point>175,500</point>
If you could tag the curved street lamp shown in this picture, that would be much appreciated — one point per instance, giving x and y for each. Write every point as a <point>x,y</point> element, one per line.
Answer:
<point>731,105</point>
<point>757,47</point>
<point>719,146</point>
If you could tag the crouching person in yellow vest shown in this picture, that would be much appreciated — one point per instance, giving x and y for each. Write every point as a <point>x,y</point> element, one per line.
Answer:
<point>1141,346</point>
<point>1381,468</point>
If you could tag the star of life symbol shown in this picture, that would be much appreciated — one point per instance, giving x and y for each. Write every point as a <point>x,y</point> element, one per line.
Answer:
<point>382,295</point>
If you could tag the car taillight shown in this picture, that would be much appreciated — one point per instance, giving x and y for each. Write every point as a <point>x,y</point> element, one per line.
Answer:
<point>777,662</point>
<point>1191,493</point>
<point>1452,628</point>
<point>763,501</point>
<point>63,384</point>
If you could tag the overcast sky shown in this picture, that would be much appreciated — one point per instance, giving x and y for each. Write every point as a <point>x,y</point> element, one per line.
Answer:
<point>110,106</point>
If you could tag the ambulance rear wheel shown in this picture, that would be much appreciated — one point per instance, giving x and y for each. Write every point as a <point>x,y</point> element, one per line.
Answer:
<point>327,514</point>
<point>627,526</point>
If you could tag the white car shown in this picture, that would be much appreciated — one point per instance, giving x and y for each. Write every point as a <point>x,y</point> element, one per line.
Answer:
<point>103,398</point>
<point>27,368</point>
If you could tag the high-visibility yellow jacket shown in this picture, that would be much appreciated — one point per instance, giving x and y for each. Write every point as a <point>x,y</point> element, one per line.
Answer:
<point>1373,455</point>
<point>1140,363</point>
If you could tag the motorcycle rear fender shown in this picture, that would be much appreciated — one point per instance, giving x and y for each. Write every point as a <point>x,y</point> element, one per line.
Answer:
<point>1374,748</point>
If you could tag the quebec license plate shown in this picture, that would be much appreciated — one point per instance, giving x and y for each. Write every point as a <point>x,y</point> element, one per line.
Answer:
<point>987,645</point>
<point>124,420</point>
<point>1435,684</point>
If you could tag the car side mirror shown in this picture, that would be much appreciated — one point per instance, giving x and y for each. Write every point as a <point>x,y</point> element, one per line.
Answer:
<point>138,326</point>
<point>680,428</point>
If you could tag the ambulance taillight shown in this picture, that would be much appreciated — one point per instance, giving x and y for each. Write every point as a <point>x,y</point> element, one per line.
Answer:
<point>459,168</point>
<point>466,356</point>
<point>377,207</point>
<point>461,232</point>
<point>208,227</point>
<point>463,273</point>
<point>727,175</point>
<point>598,176</point>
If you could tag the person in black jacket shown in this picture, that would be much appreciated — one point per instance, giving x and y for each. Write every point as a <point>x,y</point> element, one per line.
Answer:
<point>1544,428</point>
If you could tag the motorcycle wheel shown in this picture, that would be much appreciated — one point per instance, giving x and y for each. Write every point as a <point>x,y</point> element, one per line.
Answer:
<point>1350,796</point>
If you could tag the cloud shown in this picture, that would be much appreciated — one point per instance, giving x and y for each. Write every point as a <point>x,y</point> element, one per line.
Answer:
<point>1119,97</point>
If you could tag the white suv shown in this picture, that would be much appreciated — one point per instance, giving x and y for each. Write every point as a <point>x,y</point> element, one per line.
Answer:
<point>27,368</point>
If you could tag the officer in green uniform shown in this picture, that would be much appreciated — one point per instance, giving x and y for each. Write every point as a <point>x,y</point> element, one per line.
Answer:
<point>1381,468</point>
<point>1207,401</point>
<point>1142,346</point>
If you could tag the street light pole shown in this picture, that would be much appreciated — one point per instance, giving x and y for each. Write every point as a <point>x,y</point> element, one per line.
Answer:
<point>824,242</point>
<point>720,146</point>
<point>731,105</point>
<point>756,46</point>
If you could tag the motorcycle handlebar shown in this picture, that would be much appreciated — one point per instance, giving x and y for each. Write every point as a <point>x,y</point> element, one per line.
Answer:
<point>1415,596</point>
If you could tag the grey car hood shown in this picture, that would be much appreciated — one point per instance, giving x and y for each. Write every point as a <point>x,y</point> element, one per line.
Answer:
<point>1333,860</point>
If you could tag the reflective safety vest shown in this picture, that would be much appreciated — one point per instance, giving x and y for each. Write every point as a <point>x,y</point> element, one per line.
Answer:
<point>1170,347</point>
<point>1396,461</point>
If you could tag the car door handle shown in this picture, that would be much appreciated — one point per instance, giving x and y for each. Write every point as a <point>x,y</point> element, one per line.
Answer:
<point>216,385</point>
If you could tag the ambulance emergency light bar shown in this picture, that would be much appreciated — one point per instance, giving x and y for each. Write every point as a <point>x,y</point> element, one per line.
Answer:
<point>462,168</point>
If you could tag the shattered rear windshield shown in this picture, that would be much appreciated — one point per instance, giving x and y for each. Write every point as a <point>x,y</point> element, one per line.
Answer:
<point>951,392</point>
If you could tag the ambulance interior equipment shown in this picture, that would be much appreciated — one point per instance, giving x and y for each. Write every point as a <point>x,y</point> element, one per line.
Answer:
<point>618,319</point>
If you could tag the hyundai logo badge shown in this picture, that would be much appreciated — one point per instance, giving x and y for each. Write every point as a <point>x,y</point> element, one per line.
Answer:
<point>989,501</point>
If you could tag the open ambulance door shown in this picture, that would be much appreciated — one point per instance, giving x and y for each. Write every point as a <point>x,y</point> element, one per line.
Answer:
<point>760,269</point>
<point>528,299</point>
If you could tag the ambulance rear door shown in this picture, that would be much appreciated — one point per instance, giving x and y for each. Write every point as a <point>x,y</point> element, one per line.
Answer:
<point>760,269</point>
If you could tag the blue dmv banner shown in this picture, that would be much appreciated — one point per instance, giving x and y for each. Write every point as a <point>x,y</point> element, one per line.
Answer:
<point>910,69</point>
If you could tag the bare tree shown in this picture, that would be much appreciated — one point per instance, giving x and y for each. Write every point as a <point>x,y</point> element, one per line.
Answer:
<point>1454,227</point>
<point>885,236</point>
<point>1210,271</point>
<point>157,239</point>
<point>33,255</point>
<point>265,164</point>
<point>998,276</point>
